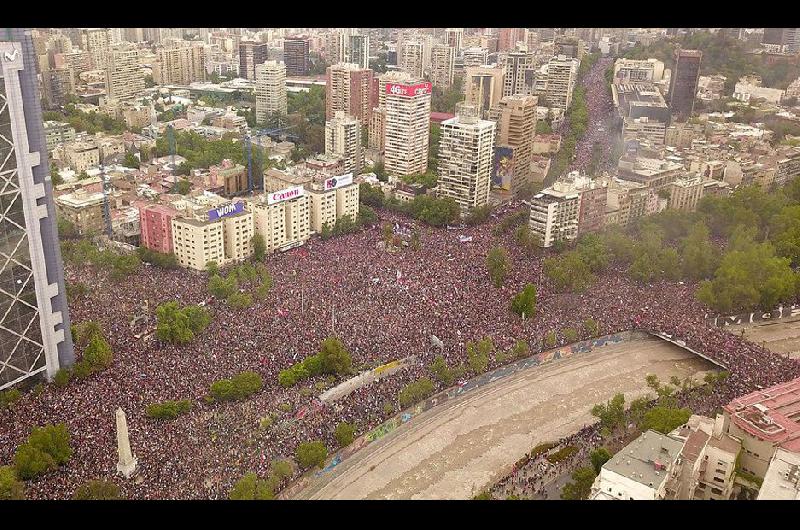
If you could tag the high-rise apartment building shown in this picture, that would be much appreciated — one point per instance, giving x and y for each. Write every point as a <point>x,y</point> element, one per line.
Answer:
<point>124,77</point>
<point>349,89</point>
<point>282,218</point>
<point>96,41</point>
<point>251,54</point>
<point>466,157</point>
<point>34,325</point>
<point>483,87</point>
<point>516,127</point>
<point>358,50</point>
<point>442,63</point>
<point>520,68</point>
<point>475,56</point>
<point>683,83</point>
<point>180,63</point>
<point>412,57</point>
<point>270,90</point>
<point>508,37</point>
<point>296,55</point>
<point>407,127</point>
<point>343,138</point>
<point>562,72</point>
<point>454,37</point>
<point>58,85</point>
<point>336,47</point>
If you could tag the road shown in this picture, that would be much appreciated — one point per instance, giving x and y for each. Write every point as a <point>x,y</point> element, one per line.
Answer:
<point>455,450</point>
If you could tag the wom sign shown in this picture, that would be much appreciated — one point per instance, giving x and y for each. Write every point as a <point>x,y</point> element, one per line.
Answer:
<point>749,318</point>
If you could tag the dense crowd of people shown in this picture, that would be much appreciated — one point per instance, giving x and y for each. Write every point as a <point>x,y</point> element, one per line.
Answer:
<point>383,303</point>
<point>600,107</point>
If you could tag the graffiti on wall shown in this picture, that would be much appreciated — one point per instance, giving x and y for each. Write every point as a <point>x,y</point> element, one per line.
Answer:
<point>750,318</point>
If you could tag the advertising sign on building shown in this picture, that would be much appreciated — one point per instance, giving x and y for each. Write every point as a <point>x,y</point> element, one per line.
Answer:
<point>337,182</point>
<point>399,89</point>
<point>226,210</point>
<point>503,167</point>
<point>283,195</point>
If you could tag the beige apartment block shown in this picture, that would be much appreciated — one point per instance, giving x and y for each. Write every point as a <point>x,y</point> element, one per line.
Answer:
<point>180,63</point>
<point>483,87</point>
<point>270,89</point>
<point>124,78</point>
<point>238,235</point>
<point>81,155</point>
<point>347,201</point>
<point>323,209</point>
<point>343,139</point>
<point>516,128</point>
<point>283,224</point>
<point>466,158</point>
<point>442,64</point>
<point>407,130</point>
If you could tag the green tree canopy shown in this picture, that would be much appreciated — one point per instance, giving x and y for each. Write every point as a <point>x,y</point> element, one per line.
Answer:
<point>311,454</point>
<point>97,490</point>
<point>498,264</point>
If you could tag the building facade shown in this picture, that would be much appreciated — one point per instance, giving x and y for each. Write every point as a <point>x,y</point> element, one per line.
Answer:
<point>407,127</point>
<point>483,87</point>
<point>562,72</point>
<point>35,328</point>
<point>466,158</point>
<point>124,78</point>
<point>442,63</point>
<point>683,83</point>
<point>349,89</point>
<point>180,64</point>
<point>343,139</point>
<point>155,222</point>
<point>516,128</point>
<point>251,54</point>
<point>270,90</point>
<point>296,56</point>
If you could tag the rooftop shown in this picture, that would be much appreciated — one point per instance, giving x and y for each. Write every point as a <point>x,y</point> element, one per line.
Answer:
<point>782,481</point>
<point>771,414</point>
<point>647,459</point>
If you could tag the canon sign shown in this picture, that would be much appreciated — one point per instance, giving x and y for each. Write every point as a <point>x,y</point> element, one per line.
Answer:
<point>283,195</point>
<point>408,90</point>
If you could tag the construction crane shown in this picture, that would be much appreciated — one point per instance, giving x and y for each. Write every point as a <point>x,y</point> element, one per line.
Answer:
<point>106,201</point>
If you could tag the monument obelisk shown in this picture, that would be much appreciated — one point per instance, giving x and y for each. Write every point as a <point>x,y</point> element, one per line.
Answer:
<point>127,462</point>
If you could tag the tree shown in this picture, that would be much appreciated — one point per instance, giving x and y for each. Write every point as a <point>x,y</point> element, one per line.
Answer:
<point>212,268</point>
<point>581,485</point>
<point>335,358</point>
<point>749,276</point>
<point>441,371</point>
<point>173,324</point>
<point>344,434</point>
<point>55,177</point>
<point>570,334</point>
<point>46,448</point>
<point>311,454</point>
<point>131,160</point>
<point>251,488</point>
<point>259,247</point>
<point>221,287</point>
<point>11,489</point>
<point>478,354</point>
<point>240,300</point>
<point>593,252</point>
<point>183,186</point>
<point>568,272</point>
<point>97,490</point>
<point>697,251</point>
<point>592,327</point>
<point>612,413</point>
<point>498,264</point>
<point>524,303</point>
<point>415,392</point>
<point>665,419</point>
<point>98,353</point>
<point>599,457</point>
<point>369,195</point>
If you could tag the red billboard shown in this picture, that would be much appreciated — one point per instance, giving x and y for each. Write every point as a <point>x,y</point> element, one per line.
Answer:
<point>399,89</point>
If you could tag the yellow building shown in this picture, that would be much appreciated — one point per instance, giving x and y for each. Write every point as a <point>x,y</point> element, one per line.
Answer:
<point>196,242</point>
<point>223,234</point>
<point>282,218</point>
